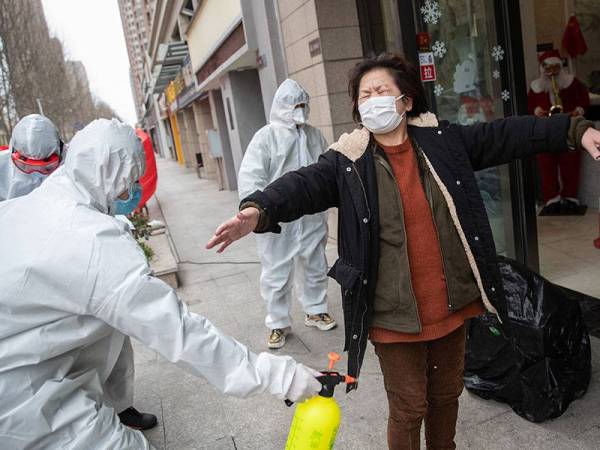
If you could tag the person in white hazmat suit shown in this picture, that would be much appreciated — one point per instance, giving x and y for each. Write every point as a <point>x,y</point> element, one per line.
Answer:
<point>74,283</point>
<point>34,152</point>
<point>285,144</point>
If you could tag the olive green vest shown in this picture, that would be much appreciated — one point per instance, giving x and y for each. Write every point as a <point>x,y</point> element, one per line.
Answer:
<point>395,306</point>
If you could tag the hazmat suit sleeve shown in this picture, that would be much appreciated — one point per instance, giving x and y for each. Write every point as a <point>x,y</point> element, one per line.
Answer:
<point>129,298</point>
<point>254,172</point>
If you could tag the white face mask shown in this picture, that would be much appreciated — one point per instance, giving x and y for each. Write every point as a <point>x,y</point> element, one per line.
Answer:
<point>300,116</point>
<point>379,115</point>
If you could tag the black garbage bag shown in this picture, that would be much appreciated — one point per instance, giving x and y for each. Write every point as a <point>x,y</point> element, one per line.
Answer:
<point>539,359</point>
<point>590,310</point>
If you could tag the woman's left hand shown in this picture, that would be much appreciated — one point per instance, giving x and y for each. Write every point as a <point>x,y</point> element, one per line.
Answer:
<point>591,142</point>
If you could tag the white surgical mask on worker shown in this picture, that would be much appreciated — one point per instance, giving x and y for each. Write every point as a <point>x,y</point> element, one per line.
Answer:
<point>300,116</point>
<point>379,114</point>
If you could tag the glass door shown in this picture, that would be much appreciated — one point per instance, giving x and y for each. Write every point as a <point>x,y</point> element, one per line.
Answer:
<point>463,60</point>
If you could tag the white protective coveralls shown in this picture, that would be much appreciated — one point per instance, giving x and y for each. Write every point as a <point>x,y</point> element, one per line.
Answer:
<point>74,283</point>
<point>278,148</point>
<point>36,137</point>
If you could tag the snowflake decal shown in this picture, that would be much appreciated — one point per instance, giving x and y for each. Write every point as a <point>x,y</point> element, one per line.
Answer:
<point>439,49</point>
<point>497,53</point>
<point>431,12</point>
<point>505,95</point>
<point>496,74</point>
<point>438,90</point>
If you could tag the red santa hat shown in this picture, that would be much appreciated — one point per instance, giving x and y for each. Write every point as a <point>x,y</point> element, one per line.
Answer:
<point>468,100</point>
<point>550,57</point>
<point>573,40</point>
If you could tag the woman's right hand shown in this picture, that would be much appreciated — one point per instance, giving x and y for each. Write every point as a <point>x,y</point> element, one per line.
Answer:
<point>237,227</point>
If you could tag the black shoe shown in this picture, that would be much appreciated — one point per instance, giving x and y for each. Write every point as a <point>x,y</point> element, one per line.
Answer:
<point>571,208</point>
<point>132,418</point>
<point>553,209</point>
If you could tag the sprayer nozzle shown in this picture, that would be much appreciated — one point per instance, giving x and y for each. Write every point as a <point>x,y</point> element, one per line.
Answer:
<point>333,358</point>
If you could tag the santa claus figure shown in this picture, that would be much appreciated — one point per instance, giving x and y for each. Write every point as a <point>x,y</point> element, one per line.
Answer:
<point>556,90</point>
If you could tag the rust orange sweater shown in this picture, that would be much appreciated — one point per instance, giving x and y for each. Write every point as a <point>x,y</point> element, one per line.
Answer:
<point>424,257</point>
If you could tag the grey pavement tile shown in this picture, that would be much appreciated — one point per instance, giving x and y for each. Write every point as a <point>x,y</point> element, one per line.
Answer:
<point>149,402</point>
<point>193,418</point>
<point>247,297</point>
<point>231,279</point>
<point>147,398</point>
<point>143,354</point>
<point>218,315</point>
<point>172,380</point>
<point>248,310</point>
<point>322,342</point>
<point>260,440</point>
<point>200,291</point>
<point>260,422</point>
<point>587,440</point>
<point>192,274</point>
<point>222,443</point>
<point>474,411</point>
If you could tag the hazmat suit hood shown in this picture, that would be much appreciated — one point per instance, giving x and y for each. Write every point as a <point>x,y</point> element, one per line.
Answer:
<point>103,161</point>
<point>36,137</point>
<point>288,95</point>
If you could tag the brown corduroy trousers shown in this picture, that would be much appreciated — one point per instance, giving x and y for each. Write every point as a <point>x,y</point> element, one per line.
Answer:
<point>423,381</point>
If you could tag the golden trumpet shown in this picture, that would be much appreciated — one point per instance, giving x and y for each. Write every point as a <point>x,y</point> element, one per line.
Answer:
<point>557,107</point>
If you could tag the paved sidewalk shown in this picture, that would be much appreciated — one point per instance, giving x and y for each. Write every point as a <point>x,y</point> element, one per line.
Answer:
<point>194,415</point>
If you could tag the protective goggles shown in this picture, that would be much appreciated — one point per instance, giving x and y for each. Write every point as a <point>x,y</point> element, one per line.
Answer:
<point>29,165</point>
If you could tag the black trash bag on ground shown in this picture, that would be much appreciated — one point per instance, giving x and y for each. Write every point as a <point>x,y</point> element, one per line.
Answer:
<point>539,359</point>
<point>590,310</point>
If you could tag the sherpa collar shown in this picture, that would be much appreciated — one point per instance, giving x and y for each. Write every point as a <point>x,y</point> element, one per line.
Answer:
<point>353,145</point>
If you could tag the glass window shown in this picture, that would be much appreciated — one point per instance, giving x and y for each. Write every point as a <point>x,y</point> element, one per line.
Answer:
<point>380,26</point>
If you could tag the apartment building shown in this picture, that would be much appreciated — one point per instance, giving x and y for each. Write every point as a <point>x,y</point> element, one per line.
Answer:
<point>136,16</point>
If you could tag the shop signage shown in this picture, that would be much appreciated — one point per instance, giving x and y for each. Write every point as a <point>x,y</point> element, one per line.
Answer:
<point>423,41</point>
<point>188,96</point>
<point>170,93</point>
<point>427,66</point>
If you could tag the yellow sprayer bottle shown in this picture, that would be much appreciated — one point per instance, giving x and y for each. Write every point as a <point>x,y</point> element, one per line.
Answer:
<point>317,419</point>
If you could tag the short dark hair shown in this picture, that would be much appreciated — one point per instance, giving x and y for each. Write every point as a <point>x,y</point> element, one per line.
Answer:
<point>405,75</point>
